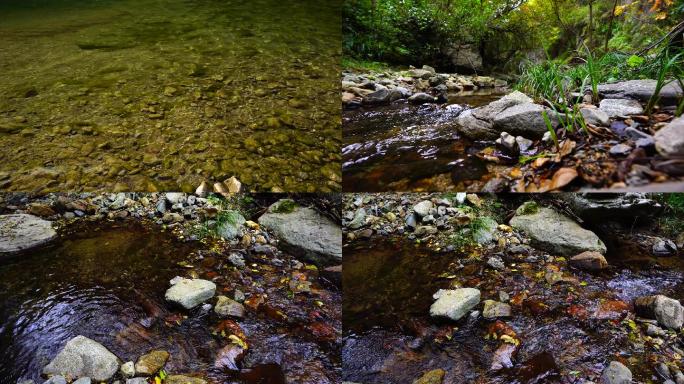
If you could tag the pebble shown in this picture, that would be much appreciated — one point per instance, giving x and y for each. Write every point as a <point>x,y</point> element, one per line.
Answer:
<point>620,150</point>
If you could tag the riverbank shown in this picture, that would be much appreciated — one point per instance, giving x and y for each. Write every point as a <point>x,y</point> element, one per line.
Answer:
<point>562,289</point>
<point>446,134</point>
<point>168,285</point>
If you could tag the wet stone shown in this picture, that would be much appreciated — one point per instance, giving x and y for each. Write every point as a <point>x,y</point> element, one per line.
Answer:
<point>436,376</point>
<point>149,363</point>
<point>227,307</point>
<point>494,309</point>
<point>455,303</point>
<point>616,373</point>
<point>190,293</point>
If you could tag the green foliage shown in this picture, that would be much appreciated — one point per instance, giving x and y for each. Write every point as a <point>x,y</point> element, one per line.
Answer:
<point>671,221</point>
<point>363,65</point>
<point>285,206</point>
<point>549,126</point>
<point>528,208</point>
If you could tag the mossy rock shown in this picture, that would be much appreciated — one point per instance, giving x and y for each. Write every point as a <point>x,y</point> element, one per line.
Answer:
<point>528,208</point>
<point>284,206</point>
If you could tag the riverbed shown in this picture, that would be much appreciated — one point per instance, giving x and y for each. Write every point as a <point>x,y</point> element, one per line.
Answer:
<point>106,281</point>
<point>567,331</point>
<point>160,95</point>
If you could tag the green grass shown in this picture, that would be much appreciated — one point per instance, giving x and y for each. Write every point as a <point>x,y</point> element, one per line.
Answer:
<point>671,221</point>
<point>554,80</point>
<point>363,65</point>
<point>285,206</point>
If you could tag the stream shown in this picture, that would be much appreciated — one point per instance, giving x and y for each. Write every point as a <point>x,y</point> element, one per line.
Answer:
<point>107,281</point>
<point>151,95</point>
<point>568,331</point>
<point>402,147</point>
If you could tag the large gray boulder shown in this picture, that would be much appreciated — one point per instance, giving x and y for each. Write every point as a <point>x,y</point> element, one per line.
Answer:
<point>454,303</point>
<point>641,90</point>
<point>613,206</point>
<point>514,113</point>
<point>616,373</point>
<point>465,56</point>
<point>669,312</point>
<point>21,232</point>
<point>83,357</point>
<point>669,140</point>
<point>620,107</point>
<point>525,119</point>
<point>190,293</point>
<point>554,232</point>
<point>305,233</point>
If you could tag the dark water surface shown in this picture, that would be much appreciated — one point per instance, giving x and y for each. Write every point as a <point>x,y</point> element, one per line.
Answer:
<point>152,95</point>
<point>390,338</point>
<point>101,283</point>
<point>107,282</point>
<point>402,147</point>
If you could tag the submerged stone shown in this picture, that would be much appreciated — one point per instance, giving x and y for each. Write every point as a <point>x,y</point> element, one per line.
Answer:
<point>83,357</point>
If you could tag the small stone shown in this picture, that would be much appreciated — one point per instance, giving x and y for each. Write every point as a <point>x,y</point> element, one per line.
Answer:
<point>227,307</point>
<point>82,380</point>
<point>190,293</point>
<point>508,143</point>
<point>425,230</point>
<point>616,373</point>
<point>423,208</point>
<point>496,263</point>
<point>57,379</point>
<point>436,376</point>
<point>664,248</point>
<point>620,107</point>
<point>589,260</point>
<point>182,379</point>
<point>669,312</point>
<point>493,309</point>
<point>151,362</point>
<point>203,189</point>
<point>128,369</point>
<point>421,98</point>
<point>233,184</point>
<point>620,150</point>
<point>669,140</point>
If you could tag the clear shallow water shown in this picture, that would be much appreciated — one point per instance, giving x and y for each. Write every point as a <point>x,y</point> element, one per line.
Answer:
<point>403,147</point>
<point>159,95</point>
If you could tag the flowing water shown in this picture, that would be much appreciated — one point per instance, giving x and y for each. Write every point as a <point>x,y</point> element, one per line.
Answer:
<point>107,282</point>
<point>160,95</point>
<point>412,148</point>
<point>566,334</point>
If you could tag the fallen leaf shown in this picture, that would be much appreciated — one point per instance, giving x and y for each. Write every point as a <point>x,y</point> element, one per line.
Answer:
<point>538,163</point>
<point>563,177</point>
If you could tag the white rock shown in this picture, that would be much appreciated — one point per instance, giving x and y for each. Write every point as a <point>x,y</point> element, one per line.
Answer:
<point>454,303</point>
<point>190,293</point>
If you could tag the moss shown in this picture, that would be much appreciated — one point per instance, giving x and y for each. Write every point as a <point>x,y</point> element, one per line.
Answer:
<point>528,208</point>
<point>285,206</point>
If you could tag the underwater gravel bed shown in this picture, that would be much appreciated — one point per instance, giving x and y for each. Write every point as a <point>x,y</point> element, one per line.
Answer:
<point>160,96</point>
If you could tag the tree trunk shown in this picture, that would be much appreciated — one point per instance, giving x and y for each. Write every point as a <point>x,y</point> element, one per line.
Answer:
<point>610,26</point>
